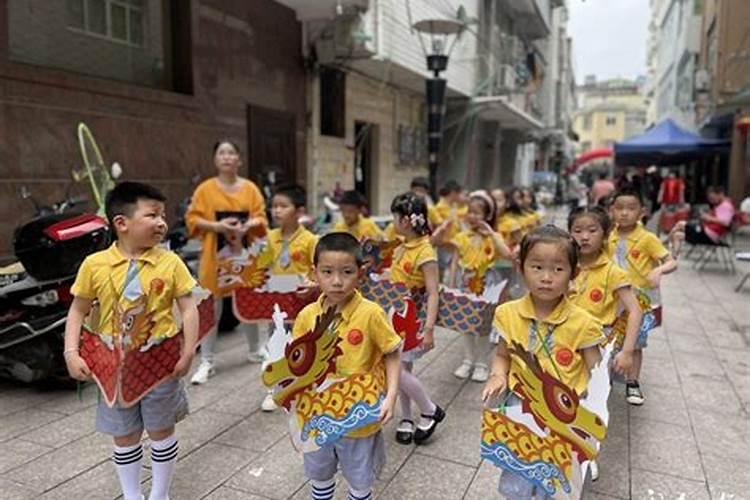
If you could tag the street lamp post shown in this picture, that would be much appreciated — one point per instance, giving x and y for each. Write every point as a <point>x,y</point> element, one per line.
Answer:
<point>439,32</point>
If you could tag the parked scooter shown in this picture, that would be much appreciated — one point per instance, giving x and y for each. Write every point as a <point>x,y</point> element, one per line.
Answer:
<point>50,248</point>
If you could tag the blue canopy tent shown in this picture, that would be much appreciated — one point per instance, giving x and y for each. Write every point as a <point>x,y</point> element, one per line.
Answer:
<point>666,144</point>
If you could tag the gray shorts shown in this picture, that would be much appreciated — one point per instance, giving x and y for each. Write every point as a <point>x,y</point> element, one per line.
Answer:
<point>361,460</point>
<point>160,409</point>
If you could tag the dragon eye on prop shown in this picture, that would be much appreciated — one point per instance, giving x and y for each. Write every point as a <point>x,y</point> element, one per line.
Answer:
<point>127,323</point>
<point>562,402</point>
<point>300,357</point>
<point>236,268</point>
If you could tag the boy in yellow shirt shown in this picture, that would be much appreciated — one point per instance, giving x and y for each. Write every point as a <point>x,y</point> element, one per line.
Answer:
<point>290,245</point>
<point>353,222</point>
<point>368,342</point>
<point>643,256</point>
<point>135,270</point>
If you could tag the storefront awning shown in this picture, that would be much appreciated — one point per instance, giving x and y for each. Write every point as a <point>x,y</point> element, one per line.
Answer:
<point>508,116</point>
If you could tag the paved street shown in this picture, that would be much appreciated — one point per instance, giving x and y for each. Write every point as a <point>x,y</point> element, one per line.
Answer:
<point>689,441</point>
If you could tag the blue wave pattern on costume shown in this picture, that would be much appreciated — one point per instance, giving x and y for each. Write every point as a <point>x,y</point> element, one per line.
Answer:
<point>328,430</point>
<point>647,324</point>
<point>542,474</point>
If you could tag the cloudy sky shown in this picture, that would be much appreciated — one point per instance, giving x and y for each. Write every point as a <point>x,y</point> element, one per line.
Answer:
<point>609,37</point>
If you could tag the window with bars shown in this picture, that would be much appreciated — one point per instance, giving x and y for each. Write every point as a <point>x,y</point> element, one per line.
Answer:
<point>118,20</point>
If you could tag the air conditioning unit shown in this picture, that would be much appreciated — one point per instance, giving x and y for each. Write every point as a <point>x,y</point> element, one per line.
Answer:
<point>702,80</point>
<point>505,79</point>
<point>353,33</point>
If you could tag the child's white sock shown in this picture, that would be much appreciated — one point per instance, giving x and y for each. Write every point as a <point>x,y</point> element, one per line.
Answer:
<point>163,460</point>
<point>323,490</point>
<point>128,460</point>
<point>470,348</point>
<point>359,495</point>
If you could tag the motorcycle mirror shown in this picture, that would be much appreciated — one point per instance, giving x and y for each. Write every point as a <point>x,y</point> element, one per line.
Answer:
<point>116,170</point>
<point>25,193</point>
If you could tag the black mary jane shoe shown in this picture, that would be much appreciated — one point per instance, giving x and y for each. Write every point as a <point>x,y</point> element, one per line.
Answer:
<point>403,436</point>
<point>422,435</point>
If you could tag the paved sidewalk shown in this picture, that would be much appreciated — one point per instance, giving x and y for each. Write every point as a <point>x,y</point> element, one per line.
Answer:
<point>689,441</point>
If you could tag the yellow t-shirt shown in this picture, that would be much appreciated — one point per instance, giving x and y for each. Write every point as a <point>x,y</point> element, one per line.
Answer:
<point>162,277</point>
<point>364,229</point>
<point>506,226</point>
<point>638,253</point>
<point>443,211</point>
<point>569,329</point>
<point>208,200</point>
<point>390,235</point>
<point>519,220</point>
<point>408,259</point>
<point>366,335</point>
<point>530,220</point>
<point>595,287</point>
<point>475,251</point>
<point>300,253</point>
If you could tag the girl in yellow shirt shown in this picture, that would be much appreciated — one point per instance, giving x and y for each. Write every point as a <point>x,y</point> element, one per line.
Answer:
<point>602,288</point>
<point>564,337</point>
<point>224,211</point>
<point>476,251</point>
<point>415,265</point>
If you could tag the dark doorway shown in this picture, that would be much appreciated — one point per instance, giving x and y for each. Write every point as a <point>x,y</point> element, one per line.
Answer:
<point>272,151</point>
<point>364,138</point>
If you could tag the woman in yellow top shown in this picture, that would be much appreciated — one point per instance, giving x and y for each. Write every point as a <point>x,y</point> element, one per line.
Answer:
<point>564,338</point>
<point>223,211</point>
<point>415,265</point>
<point>477,248</point>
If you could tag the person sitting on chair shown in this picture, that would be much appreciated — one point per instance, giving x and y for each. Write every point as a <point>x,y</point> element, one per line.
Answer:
<point>714,224</point>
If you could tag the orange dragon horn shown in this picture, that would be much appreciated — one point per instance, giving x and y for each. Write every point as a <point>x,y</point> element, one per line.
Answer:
<point>323,322</point>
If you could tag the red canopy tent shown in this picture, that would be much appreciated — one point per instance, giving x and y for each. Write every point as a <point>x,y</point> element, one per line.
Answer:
<point>590,155</point>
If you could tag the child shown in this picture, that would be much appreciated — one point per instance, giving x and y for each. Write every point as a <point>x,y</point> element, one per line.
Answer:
<point>601,287</point>
<point>367,340</point>
<point>415,265</point>
<point>447,216</point>
<point>533,217</point>
<point>291,245</point>
<point>601,284</point>
<point>363,228</point>
<point>563,336</point>
<point>508,228</point>
<point>117,277</point>
<point>477,249</point>
<point>644,258</point>
<point>515,211</point>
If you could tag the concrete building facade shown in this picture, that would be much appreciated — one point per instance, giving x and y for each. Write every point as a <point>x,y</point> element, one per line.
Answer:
<point>608,111</point>
<point>158,83</point>
<point>723,86</point>
<point>673,50</point>
<point>379,143</point>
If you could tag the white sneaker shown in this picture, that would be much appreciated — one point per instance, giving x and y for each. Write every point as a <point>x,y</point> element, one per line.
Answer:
<point>481,373</point>
<point>464,370</point>
<point>205,371</point>
<point>256,357</point>
<point>268,404</point>
<point>594,470</point>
